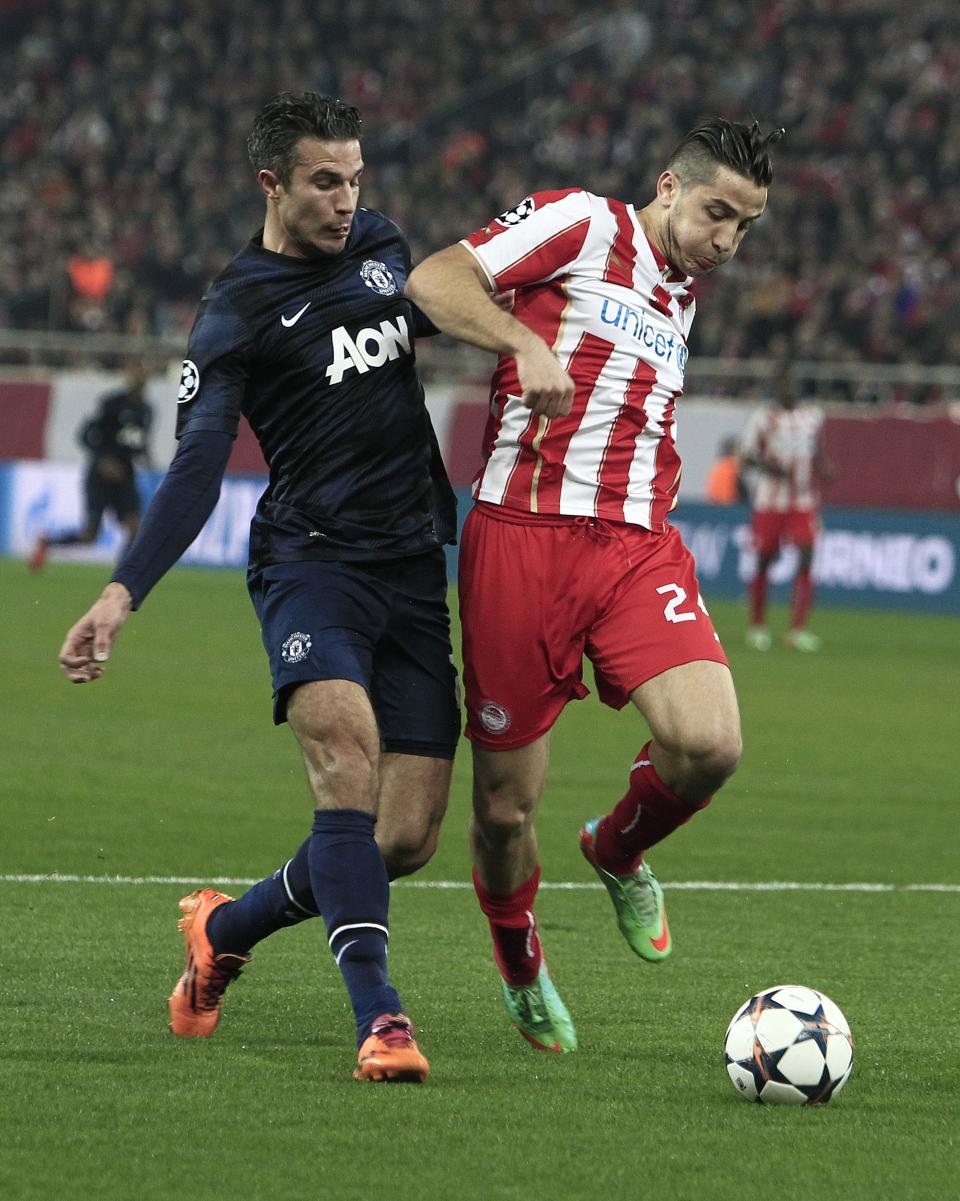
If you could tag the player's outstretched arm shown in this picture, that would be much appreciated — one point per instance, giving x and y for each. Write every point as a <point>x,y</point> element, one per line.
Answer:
<point>451,288</point>
<point>176,514</point>
<point>89,641</point>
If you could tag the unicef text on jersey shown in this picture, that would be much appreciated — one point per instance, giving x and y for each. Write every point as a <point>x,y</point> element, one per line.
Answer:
<point>634,323</point>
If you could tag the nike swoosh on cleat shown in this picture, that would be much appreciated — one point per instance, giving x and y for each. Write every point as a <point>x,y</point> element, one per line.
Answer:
<point>288,321</point>
<point>660,943</point>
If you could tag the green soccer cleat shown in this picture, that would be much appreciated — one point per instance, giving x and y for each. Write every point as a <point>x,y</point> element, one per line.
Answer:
<point>758,638</point>
<point>538,1013</point>
<point>802,640</point>
<point>638,900</point>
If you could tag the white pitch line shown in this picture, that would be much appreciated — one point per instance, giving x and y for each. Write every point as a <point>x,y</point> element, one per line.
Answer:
<point>567,886</point>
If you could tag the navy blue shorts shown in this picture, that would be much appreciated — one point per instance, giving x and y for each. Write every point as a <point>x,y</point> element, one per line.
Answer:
<point>118,496</point>
<point>383,625</point>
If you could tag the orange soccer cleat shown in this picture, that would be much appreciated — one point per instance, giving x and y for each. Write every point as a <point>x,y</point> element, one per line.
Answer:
<point>195,1001</point>
<point>390,1052</point>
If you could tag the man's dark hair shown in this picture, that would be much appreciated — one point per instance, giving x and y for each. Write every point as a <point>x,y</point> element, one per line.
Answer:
<point>719,143</point>
<point>290,116</point>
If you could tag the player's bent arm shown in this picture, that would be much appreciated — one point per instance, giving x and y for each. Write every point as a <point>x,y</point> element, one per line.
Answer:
<point>454,292</point>
<point>183,502</point>
<point>452,289</point>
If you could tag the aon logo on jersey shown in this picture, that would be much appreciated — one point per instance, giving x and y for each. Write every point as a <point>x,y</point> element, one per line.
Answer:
<point>370,347</point>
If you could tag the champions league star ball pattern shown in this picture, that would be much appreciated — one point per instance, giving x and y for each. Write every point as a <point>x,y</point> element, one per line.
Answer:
<point>788,1045</point>
<point>189,382</point>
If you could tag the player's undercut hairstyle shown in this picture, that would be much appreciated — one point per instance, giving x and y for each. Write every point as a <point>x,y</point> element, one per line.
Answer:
<point>715,143</point>
<point>290,116</point>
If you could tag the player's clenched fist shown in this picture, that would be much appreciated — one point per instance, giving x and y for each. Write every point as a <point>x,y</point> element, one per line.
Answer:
<point>544,385</point>
<point>88,642</point>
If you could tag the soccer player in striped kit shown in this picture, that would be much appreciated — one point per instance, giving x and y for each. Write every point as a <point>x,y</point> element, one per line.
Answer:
<point>781,443</point>
<point>569,550</point>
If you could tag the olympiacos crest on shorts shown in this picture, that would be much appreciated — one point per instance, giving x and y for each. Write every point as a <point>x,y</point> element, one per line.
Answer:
<point>296,648</point>
<point>494,717</point>
<point>189,382</point>
<point>378,277</point>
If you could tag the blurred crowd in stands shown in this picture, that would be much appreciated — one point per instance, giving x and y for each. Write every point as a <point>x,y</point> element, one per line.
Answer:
<point>125,183</point>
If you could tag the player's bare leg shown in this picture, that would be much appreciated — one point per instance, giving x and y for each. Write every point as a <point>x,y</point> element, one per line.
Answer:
<point>507,786</point>
<point>798,637</point>
<point>694,717</point>
<point>693,714</point>
<point>335,725</point>
<point>340,746</point>
<point>41,548</point>
<point>411,806</point>
<point>337,731</point>
<point>758,636</point>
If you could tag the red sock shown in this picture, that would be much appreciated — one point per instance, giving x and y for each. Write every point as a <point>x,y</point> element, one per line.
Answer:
<point>516,944</point>
<point>758,598</point>
<point>648,813</point>
<point>802,599</point>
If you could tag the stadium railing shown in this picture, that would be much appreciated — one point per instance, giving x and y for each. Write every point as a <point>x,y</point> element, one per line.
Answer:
<point>443,359</point>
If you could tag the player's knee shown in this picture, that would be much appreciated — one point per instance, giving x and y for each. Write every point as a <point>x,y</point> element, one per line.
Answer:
<point>503,814</point>
<point>342,765</point>
<point>704,760</point>
<point>406,851</point>
<point>342,752</point>
<point>506,791</point>
<point>499,827</point>
<point>718,759</point>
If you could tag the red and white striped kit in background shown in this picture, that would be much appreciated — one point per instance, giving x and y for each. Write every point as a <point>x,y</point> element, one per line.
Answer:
<point>787,438</point>
<point>617,315</point>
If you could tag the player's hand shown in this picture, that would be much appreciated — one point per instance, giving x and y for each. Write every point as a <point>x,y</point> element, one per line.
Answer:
<point>89,641</point>
<point>545,387</point>
<point>504,300</point>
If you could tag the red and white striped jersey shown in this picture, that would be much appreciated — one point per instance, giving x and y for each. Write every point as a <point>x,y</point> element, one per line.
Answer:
<point>617,315</point>
<point>786,438</point>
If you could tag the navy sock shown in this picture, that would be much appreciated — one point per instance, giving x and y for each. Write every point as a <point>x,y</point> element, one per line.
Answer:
<point>283,899</point>
<point>349,880</point>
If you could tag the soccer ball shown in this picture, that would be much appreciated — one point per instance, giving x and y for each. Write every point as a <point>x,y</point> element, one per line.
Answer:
<point>788,1045</point>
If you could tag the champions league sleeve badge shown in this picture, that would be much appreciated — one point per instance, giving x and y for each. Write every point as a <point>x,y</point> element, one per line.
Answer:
<point>377,277</point>
<point>189,382</point>
<point>515,215</point>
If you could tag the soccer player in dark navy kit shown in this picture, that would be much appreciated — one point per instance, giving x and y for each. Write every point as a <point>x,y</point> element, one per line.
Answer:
<point>117,440</point>
<point>307,334</point>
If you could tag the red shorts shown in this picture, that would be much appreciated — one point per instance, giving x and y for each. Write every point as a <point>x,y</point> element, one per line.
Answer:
<point>539,593</point>
<point>771,530</point>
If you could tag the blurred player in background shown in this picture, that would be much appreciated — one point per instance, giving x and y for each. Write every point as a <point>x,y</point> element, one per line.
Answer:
<point>117,439</point>
<point>569,550</point>
<point>308,335</point>
<point>781,447</point>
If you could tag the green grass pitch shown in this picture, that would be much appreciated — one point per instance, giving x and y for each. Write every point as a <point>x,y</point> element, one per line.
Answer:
<point>170,767</point>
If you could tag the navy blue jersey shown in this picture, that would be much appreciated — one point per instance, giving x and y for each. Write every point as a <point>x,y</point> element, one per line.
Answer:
<point>318,355</point>
<point>120,431</point>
